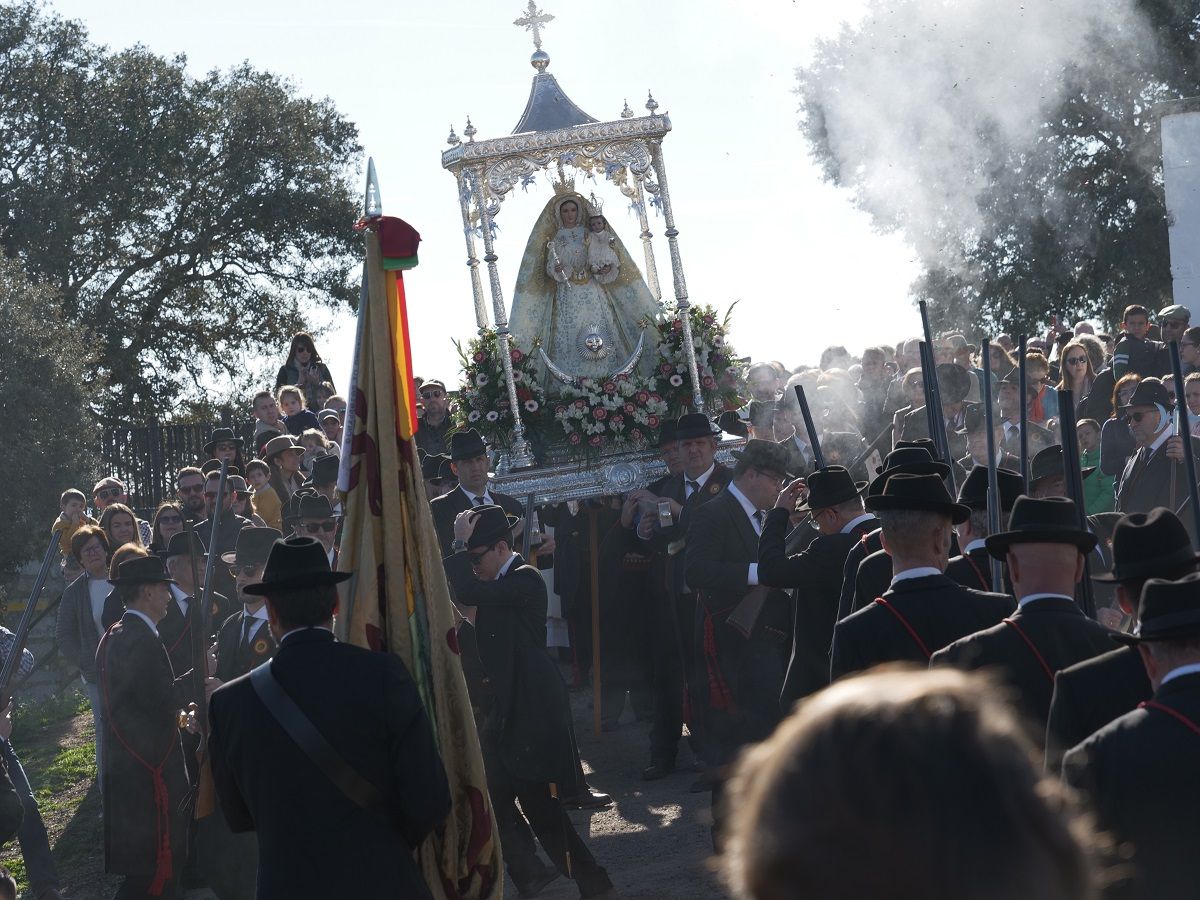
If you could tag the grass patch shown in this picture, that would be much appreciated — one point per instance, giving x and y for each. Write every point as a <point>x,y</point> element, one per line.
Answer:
<point>31,718</point>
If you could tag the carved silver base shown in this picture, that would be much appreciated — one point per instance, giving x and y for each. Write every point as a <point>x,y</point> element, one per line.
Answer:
<point>614,473</point>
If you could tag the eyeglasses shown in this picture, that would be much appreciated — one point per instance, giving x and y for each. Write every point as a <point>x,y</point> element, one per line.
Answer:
<point>108,492</point>
<point>1077,361</point>
<point>477,558</point>
<point>191,489</point>
<point>170,520</point>
<point>314,527</point>
<point>1138,416</point>
<point>236,570</point>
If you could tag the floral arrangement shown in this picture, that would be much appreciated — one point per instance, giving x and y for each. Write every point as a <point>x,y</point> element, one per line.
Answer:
<point>483,397</point>
<point>622,413</point>
<point>720,373</point>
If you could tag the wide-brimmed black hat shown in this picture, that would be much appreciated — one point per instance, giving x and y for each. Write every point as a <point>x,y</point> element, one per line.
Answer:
<point>1048,463</point>
<point>1045,520</point>
<point>1148,392</point>
<point>141,570</point>
<point>1168,610</point>
<point>310,505</point>
<point>920,493</point>
<point>764,455</point>
<point>695,425</point>
<point>280,444</point>
<point>731,423</point>
<point>915,457</point>
<point>954,382</point>
<point>254,544</point>
<point>973,492</point>
<point>467,444</point>
<point>666,433</point>
<point>221,436</point>
<point>431,465</point>
<point>493,524</point>
<point>298,562</point>
<point>324,470</point>
<point>975,420</point>
<point>831,486</point>
<point>1148,544</point>
<point>179,545</point>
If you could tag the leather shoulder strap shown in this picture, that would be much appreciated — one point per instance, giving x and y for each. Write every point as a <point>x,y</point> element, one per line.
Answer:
<point>1032,648</point>
<point>301,730</point>
<point>912,632</point>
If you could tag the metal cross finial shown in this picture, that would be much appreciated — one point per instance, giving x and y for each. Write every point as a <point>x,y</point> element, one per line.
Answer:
<point>534,20</point>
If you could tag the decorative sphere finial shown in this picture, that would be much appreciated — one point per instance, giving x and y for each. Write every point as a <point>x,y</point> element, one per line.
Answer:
<point>651,103</point>
<point>470,131</point>
<point>627,113</point>
<point>540,60</point>
<point>452,138</point>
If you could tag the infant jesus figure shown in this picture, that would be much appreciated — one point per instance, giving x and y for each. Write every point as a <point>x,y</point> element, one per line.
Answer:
<point>602,258</point>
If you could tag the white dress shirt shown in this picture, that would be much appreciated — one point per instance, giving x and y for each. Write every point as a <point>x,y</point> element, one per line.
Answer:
<point>918,572</point>
<point>750,509</point>
<point>854,523</point>
<point>145,618</point>
<point>1029,598</point>
<point>1190,669</point>
<point>687,490</point>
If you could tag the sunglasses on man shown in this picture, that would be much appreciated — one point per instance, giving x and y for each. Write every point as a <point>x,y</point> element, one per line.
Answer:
<point>108,492</point>
<point>192,489</point>
<point>477,558</point>
<point>314,527</point>
<point>1138,416</point>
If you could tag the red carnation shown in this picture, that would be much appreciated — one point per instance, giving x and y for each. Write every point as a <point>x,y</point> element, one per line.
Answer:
<point>580,404</point>
<point>622,377</point>
<point>610,387</point>
<point>597,440</point>
<point>574,438</point>
<point>635,435</point>
<point>516,355</point>
<point>599,413</point>
<point>657,398</point>
<point>708,382</point>
<point>652,421</point>
<point>666,368</point>
<point>643,397</point>
<point>479,356</point>
<point>630,408</point>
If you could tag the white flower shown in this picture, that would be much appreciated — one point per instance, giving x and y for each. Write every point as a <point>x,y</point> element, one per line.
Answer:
<point>481,379</point>
<point>676,380</point>
<point>531,406</point>
<point>473,416</point>
<point>517,376</point>
<point>493,416</point>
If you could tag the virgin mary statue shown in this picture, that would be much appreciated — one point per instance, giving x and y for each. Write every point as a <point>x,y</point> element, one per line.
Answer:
<point>581,294</point>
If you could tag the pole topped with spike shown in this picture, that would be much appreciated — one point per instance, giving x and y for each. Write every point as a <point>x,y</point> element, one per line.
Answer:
<point>372,199</point>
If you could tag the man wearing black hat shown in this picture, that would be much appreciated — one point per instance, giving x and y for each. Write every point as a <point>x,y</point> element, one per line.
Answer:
<point>435,472</point>
<point>975,432</point>
<point>835,505</point>
<point>1044,551</point>
<point>1008,399</point>
<point>433,425</point>
<point>379,777</point>
<point>973,566</point>
<point>1089,695</point>
<point>954,383</point>
<point>528,742</point>
<point>923,610</point>
<point>224,542</point>
<point>700,479</point>
<point>146,782</point>
<point>1140,771</point>
<point>312,515</point>
<point>323,479</point>
<point>744,630</point>
<point>183,614</point>
<point>1154,475</point>
<point>469,463</point>
<point>790,432</point>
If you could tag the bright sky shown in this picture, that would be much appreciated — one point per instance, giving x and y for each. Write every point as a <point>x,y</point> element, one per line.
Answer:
<point>756,222</point>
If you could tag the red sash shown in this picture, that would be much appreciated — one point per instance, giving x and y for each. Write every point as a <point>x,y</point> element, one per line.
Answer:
<point>1032,649</point>
<point>907,627</point>
<point>1173,713</point>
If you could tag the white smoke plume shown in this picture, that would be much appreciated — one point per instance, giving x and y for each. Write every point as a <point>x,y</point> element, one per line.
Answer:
<point>927,103</point>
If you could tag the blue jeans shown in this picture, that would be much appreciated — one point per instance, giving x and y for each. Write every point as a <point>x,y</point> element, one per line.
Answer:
<point>35,846</point>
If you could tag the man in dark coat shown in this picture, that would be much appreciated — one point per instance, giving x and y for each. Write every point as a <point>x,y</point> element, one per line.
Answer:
<point>700,479</point>
<point>313,839</point>
<point>469,462</point>
<point>1140,771</point>
<point>954,383</point>
<point>183,613</point>
<point>1155,474</point>
<point>1044,550</point>
<point>528,740</point>
<point>923,610</point>
<point>835,504</point>
<point>1089,695</point>
<point>973,566</point>
<point>744,630</point>
<point>225,541</point>
<point>146,783</point>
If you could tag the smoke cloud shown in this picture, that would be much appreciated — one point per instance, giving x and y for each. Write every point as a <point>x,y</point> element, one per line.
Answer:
<point>926,107</point>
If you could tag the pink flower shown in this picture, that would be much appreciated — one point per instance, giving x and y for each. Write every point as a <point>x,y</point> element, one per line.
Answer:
<point>516,355</point>
<point>630,408</point>
<point>574,438</point>
<point>559,410</point>
<point>708,382</point>
<point>709,320</point>
<point>635,434</point>
<point>580,404</point>
<point>666,368</point>
<point>677,325</point>
<point>652,421</point>
<point>617,419</point>
<point>643,397</point>
<point>599,413</point>
<point>610,387</point>
<point>622,377</point>
<point>597,440</point>
<point>479,356</point>
<point>657,398</point>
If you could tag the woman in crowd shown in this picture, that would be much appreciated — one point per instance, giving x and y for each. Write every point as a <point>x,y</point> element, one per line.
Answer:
<point>1191,396</point>
<point>913,386</point>
<point>1043,403</point>
<point>903,784</point>
<point>1002,362</point>
<point>1077,373</point>
<point>1116,440</point>
<point>120,524</point>
<point>305,369</point>
<point>167,522</point>
<point>283,455</point>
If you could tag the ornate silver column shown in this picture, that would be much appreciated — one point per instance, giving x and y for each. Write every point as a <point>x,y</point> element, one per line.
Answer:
<point>644,221</point>
<point>520,455</point>
<point>681,295</point>
<point>465,192</point>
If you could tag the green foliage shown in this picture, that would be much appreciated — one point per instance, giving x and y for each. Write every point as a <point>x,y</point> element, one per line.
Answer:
<point>30,718</point>
<point>186,222</point>
<point>45,397</point>
<point>1069,218</point>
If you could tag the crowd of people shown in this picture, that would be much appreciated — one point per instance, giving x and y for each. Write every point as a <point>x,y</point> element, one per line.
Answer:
<point>745,600</point>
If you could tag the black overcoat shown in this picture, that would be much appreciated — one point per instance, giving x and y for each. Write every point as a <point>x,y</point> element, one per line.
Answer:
<point>235,659</point>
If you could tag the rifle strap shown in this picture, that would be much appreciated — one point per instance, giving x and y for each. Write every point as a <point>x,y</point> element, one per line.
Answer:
<point>912,632</point>
<point>1032,648</point>
<point>301,730</point>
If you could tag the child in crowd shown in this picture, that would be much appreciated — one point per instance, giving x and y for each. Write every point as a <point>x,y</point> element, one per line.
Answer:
<point>72,516</point>
<point>315,444</point>
<point>258,473</point>
<point>1098,494</point>
<point>295,416</point>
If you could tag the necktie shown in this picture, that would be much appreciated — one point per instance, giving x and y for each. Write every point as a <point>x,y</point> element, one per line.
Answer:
<point>477,501</point>
<point>692,487</point>
<point>759,518</point>
<point>247,625</point>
